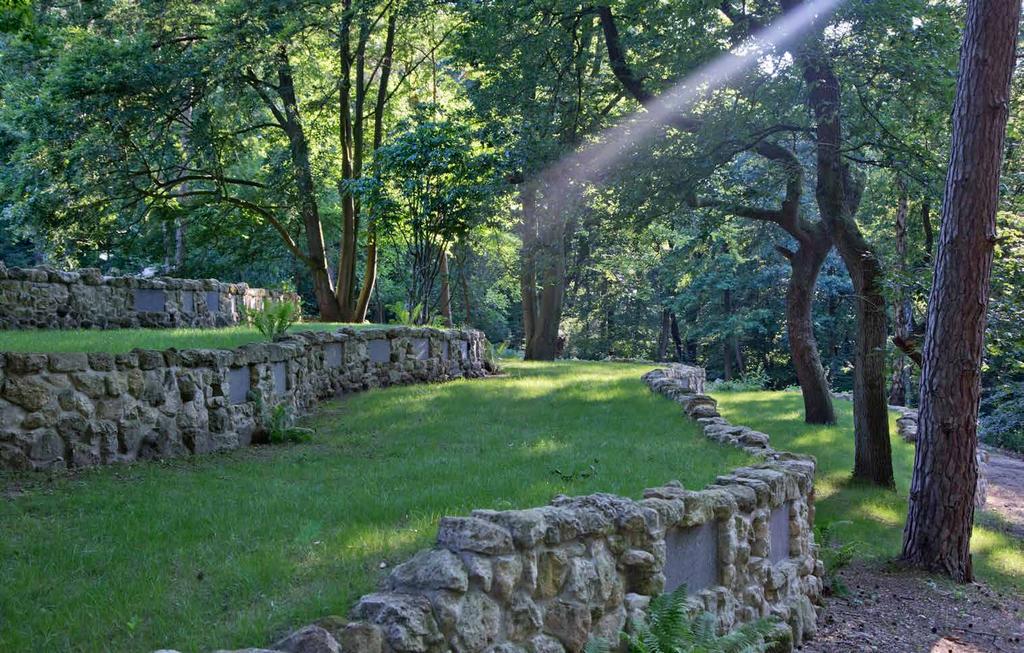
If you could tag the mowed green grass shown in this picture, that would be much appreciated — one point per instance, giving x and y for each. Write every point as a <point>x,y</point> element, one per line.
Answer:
<point>231,550</point>
<point>123,340</point>
<point>876,515</point>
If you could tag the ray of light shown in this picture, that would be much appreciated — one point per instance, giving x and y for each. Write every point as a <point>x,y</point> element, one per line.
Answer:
<point>566,179</point>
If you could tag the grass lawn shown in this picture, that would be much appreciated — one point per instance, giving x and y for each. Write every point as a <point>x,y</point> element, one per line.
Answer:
<point>876,515</point>
<point>230,550</point>
<point>123,340</point>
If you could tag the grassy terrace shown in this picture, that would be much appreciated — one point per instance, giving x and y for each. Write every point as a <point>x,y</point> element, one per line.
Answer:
<point>875,517</point>
<point>123,340</point>
<point>229,550</point>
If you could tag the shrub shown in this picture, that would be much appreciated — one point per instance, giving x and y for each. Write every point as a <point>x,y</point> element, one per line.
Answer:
<point>274,317</point>
<point>1002,420</point>
<point>751,380</point>
<point>669,629</point>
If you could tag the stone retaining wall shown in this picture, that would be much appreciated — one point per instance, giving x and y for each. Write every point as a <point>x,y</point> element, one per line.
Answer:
<point>547,580</point>
<point>77,410</point>
<point>43,298</point>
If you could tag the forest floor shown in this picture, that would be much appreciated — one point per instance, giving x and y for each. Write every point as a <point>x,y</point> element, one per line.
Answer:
<point>889,609</point>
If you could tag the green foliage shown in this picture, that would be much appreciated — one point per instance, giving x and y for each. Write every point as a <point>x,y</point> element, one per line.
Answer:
<point>754,379</point>
<point>835,554</point>
<point>280,425</point>
<point>274,317</point>
<point>669,628</point>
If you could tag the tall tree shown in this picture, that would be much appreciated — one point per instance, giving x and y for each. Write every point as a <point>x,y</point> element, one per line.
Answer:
<point>812,238</point>
<point>940,520</point>
<point>838,192</point>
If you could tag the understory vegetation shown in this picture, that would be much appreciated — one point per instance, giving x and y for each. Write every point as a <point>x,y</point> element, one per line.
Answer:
<point>225,550</point>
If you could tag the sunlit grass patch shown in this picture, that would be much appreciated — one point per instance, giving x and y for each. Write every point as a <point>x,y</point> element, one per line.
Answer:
<point>226,551</point>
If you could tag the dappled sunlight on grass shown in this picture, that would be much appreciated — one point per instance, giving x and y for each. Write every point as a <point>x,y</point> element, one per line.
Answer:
<point>875,515</point>
<point>281,536</point>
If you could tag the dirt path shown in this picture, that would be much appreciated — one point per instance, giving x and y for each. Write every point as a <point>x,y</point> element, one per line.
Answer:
<point>1005,474</point>
<point>889,610</point>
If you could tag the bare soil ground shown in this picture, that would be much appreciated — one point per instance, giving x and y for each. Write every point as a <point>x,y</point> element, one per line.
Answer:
<point>892,610</point>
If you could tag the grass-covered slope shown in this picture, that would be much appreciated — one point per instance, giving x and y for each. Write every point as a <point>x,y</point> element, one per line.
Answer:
<point>122,340</point>
<point>876,516</point>
<point>229,550</point>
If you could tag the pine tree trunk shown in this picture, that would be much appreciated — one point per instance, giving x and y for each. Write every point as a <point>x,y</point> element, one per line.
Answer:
<point>937,535</point>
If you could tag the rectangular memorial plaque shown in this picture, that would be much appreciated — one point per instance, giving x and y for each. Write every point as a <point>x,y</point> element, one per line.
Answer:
<point>238,385</point>
<point>333,355</point>
<point>280,373</point>
<point>213,301</point>
<point>778,528</point>
<point>188,302</point>
<point>149,300</point>
<point>420,349</point>
<point>379,350</point>
<point>691,557</point>
<point>445,350</point>
<point>464,349</point>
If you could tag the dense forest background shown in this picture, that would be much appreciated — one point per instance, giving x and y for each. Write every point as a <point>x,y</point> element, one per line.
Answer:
<point>393,157</point>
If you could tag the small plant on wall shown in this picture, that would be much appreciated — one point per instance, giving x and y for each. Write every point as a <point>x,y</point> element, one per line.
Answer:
<point>274,317</point>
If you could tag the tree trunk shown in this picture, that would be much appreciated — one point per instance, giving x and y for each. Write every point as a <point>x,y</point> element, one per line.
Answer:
<point>677,341</point>
<point>727,340</point>
<point>527,266</point>
<point>663,335</point>
<point>838,196</point>
<point>937,535</point>
<point>445,294</point>
<point>901,309</point>
<point>806,264</point>
<point>327,302</point>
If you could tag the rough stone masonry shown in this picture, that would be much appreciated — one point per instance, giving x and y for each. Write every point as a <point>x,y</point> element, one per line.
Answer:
<point>44,298</point>
<point>549,579</point>
<point>63,410</point>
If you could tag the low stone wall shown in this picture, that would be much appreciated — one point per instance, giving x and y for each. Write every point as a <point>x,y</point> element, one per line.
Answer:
<point>43,298</point>
<point>77,410</point>
<point>549,579</point>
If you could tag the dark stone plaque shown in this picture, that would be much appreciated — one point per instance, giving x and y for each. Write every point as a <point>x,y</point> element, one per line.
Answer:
<point>691,557</point>
<point>238,385</point>
<point>778,527</point>
<point>149,300</point>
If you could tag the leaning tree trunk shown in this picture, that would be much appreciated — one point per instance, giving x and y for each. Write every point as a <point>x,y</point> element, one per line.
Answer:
<point>937,535</point>
<point>806,263</point>
<point>838,195</point>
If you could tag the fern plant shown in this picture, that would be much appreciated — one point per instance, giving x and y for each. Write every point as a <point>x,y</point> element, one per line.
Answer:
<point>670,629</point>
<point>835,555</point>
<point>492,355</point>
<point>274,317</point>
<point>280,425</point>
